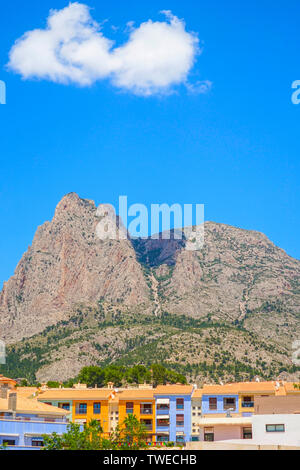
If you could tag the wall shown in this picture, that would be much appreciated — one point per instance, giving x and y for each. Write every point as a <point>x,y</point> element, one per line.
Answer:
<point>173,429</point>
<point>8,428</point>
<point>196,404</point>
<point>234,446</point>
<point>103,416</point>
<point>220,404</point>
<point>291,436</point>
<point>57,402</point>
<point>225,432</point>
<point>137,412</point>
<point>278,405</point>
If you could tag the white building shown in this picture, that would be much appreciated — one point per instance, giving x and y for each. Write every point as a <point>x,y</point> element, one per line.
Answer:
<point>276,429</point>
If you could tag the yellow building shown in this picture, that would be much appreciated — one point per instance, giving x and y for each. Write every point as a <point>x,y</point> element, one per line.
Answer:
<point>83,405</point>
<point>140,403</point>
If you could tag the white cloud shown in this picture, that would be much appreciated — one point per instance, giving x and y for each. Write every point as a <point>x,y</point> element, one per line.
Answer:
<point>73,49</point>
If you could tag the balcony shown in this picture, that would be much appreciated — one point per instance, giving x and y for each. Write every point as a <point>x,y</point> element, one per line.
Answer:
<point>163,411</point>
<point>248,404</point>
<point>148,427</point>
<point>163,423</point>
<point>146,411</point>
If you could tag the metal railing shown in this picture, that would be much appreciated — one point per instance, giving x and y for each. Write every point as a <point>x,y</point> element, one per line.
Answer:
<point>248,404</point>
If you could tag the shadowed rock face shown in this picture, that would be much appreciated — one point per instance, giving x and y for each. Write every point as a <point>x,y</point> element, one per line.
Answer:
<point>154,252</point>
<point>239,276</point>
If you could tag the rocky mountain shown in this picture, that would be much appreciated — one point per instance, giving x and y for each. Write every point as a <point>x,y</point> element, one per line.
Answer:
<point>68,264</point>
<point>230,310</point>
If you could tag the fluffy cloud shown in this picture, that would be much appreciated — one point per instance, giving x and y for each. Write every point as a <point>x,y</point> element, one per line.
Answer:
<point>73,49</point>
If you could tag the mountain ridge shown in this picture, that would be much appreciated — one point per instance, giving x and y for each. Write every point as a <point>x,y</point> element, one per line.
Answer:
<point>73,285</point>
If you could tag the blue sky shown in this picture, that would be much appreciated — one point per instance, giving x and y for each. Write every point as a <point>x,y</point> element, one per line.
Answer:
<point>235,148</point>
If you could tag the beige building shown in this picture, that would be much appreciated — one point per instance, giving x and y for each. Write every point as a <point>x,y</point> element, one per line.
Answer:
<point>196,414</point>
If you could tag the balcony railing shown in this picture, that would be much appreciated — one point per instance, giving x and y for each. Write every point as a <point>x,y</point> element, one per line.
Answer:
<point>146,411</point>
<point>229,407</point>
<point>163,411</point>
<point>163,424</point>
<point>148,427</point>
<point>248,404</point>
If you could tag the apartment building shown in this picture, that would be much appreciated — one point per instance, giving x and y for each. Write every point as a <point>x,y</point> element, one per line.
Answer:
<point>82,405</point>
<point>140,403</point>
<point>176,413</point>
<point>24,421</point>
<point>276,420</point>
<point>228,411</point>
<point>196,414</point>
<point>173,412</point>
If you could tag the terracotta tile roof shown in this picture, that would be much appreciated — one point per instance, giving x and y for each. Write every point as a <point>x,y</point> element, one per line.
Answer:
<point>173,390</point>
<point>73,394</point>
<point>26,392</point>
<point>240,387</point>
<point>136,394</point>
<point>290,388</point>
<point>197,393</point>
<point>32,406</point>
<point>6,379</point>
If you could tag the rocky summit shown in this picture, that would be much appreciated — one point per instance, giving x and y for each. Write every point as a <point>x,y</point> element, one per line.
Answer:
<point>230,310</point>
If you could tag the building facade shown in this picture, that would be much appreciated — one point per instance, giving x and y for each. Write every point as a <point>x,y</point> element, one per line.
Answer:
<point>173,413</point>
<point>24,421</point>
<point>140,403</point>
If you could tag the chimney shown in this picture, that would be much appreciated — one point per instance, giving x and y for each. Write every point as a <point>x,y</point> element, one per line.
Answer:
<point>12,402</point>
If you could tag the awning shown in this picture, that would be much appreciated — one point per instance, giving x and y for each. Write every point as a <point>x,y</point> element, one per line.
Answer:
<point>162,433</point>
<point>180,434</point>
<point>146,403</point>
<point>162,417</point>
<point>163,401</point>
<point>6,434</point>
<point>224,421</point>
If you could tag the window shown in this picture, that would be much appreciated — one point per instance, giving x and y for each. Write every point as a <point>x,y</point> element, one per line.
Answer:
<point>163,422</point>
<point>209,434</point>
<point>247,433</point>
<point>36,443</point>
<point>129,408</point>
<point>179,420</point>
<point>180,404</point>
<point>163,406</point>
<point>163,438</point>
<point>81,409</point>
<point>9,442</point>
<point>229,403</point>
<point>64,406</point>
<point>148,424</point>
<point>275,428</point>
<point>97,408</point>
<point>247,402</point>
<point>212,403</point>
<point>146,409</point>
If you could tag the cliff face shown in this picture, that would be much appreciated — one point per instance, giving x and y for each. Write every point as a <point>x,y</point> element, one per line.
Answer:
<point>238,272</point>
<point>67,264</point>
<point>106,300</point>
